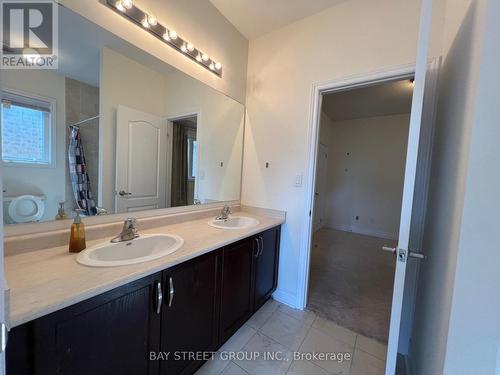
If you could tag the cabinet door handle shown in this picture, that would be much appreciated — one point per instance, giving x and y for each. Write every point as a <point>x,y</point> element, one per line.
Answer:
<point>171,291</point>
<point>256,254</point>
<point>261,245</point>
<point>159,297</point>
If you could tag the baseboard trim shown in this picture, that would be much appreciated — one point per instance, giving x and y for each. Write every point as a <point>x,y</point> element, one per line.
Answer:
<point>286,298</point>
<point>348,228</point>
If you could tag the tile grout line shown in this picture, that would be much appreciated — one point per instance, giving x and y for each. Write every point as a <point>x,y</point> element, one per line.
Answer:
<point>353,351</point>
<point>302,342</point>
<point>245,371</point>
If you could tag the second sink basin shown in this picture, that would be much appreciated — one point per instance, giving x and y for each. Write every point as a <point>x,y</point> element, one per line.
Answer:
<point>234,222</point>
<point>142,249</point>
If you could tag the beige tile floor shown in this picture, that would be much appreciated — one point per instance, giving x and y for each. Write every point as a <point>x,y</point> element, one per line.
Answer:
<point>279,328</point>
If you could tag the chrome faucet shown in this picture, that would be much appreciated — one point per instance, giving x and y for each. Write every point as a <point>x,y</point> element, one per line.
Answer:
<point>224,214</point>
<point>129,231</point>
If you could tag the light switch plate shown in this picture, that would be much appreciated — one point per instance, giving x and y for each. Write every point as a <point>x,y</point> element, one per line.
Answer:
<point>298,180</point>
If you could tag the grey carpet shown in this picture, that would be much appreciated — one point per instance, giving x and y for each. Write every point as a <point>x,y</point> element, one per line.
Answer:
<point>351,281</point>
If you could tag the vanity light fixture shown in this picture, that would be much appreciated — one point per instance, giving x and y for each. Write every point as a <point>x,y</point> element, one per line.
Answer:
<point>149,22</point>
<point>172,34</point>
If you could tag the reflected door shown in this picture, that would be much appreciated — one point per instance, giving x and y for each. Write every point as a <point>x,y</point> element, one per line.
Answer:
<point>141,161</point>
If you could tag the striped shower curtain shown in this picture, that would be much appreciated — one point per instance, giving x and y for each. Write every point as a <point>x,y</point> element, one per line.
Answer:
<point>78,174</point>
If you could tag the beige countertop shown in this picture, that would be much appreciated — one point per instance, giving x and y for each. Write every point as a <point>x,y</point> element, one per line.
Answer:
<point>44,281</point>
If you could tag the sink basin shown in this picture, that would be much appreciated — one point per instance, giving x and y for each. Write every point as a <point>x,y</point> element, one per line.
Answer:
<point>234,222</point>
<point>142,249</point>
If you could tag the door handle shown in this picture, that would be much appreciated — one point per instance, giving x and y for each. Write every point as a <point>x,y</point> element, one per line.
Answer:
<point>159,297</point>
<point>171,291</point>
<point>123,193</point>
<point>389,249</point>
<point>261,245</point>
<point>256,254</point>
<point>411,254</point>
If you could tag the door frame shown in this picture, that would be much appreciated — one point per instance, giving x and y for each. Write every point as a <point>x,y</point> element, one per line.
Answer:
<point>170,120</point>
<point>320,144</point>
<point>318,90</point>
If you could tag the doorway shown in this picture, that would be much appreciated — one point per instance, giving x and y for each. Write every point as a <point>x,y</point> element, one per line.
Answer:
<point>184,161</point>
<point>359,178</point>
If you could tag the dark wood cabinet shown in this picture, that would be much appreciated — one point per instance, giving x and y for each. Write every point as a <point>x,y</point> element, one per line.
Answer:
<point>237,285</point>
<point>190,314</point>
<point>266,266</point>
<point>109,334</point>
<point>192,307</point>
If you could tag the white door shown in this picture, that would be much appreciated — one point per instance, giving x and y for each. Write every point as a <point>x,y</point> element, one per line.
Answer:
<point>413,199</point>
<point>141,161</point>
<point>320,187</point>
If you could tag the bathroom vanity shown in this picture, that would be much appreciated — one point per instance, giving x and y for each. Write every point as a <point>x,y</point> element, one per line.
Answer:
<point>190,301</point>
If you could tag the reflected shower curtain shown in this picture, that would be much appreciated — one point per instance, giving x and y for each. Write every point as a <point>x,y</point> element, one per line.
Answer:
<point>179,166</point>
<point>78,174</point>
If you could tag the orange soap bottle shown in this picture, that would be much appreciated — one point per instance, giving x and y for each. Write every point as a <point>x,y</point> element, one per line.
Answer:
<point>77,236</point>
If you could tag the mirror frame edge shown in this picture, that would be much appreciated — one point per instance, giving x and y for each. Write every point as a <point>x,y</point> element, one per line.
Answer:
<point>16,230</point>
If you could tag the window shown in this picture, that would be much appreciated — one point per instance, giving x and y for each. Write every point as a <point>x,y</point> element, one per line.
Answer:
<point>26,130</point>
<point>192,157</point>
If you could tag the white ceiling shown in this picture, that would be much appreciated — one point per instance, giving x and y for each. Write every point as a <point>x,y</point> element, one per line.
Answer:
<point>254,18</point>
<point>385,99</point>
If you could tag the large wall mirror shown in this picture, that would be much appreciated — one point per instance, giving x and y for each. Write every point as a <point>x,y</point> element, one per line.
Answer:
<point>113,130</point>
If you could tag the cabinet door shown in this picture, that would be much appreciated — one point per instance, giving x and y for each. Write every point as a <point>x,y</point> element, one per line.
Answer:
<point>190,314</point>
<point>237,286</point>
<point>113,333</point>
<point>266,266</point>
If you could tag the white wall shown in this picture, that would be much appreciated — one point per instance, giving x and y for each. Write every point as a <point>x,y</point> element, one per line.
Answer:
<point>196,20</point>
<point>353,37</point>
<point>457,319</point>
<point>366,163</point>
<point>460,334</point>
<point>219,135</point>
<point>474,330</point>
<point>49,181</point>
<point>123,82</point>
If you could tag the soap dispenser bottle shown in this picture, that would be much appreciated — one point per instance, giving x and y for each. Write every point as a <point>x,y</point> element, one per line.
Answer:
<point>77,236</point>
<point>61,215</point>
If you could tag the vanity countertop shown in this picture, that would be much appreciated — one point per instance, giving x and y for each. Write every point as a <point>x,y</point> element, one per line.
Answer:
<point>44,281</point>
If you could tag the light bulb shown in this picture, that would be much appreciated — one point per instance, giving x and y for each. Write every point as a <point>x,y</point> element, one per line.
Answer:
<point>152,20</point>
<point>205,57</point>
<point>190,47</point>
<point>145,22</point>
<point>198,58</point>
<point>184,48</point>
<point>172,34</point>
<point>127,4</point>
<point>212,67</point>
<point>120,6</point>
<point>218,66</point>
<point>166,36</point>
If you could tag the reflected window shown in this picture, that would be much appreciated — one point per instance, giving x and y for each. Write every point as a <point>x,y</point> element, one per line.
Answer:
<point>192,157</point>
<point>26,130</point>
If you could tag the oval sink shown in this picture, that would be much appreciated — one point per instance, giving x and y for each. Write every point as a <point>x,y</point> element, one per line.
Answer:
<point>142,249</point>
<point>234,222</point>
